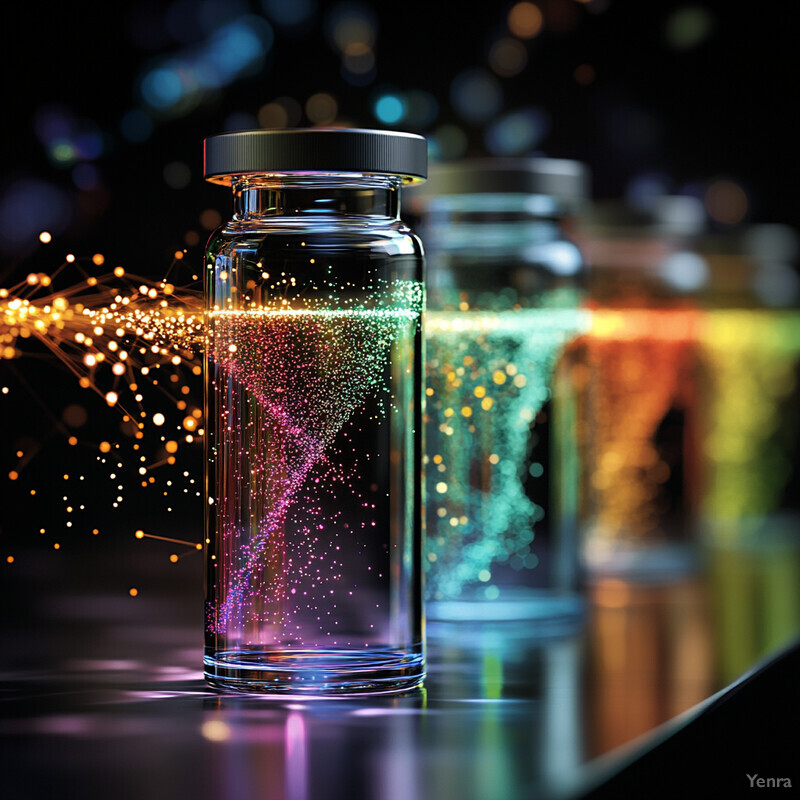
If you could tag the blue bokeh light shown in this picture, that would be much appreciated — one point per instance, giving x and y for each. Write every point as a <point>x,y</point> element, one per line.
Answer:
<point>390,108</point>
<point>518,132</point>
<point>236,49</point>
<point>476,95</point>
<point>162,87</point>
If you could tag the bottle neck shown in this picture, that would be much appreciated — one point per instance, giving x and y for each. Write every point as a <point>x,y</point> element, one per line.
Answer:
<point>316,196</point>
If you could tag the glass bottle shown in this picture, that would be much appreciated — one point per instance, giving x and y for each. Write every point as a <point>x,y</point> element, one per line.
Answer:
<point>749,499</point>
<point>639,425</point>
<point>501,464</point>
<point>314,296</point>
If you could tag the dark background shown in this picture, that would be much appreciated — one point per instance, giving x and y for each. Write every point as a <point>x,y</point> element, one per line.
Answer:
<point>724,107</point>
<point>655,97</point>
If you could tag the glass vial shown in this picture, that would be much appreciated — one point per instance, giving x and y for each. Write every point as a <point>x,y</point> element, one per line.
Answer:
<point>314,296</point>
<point>640,426</point>
<point>750,430</point>
<point>504,303</point>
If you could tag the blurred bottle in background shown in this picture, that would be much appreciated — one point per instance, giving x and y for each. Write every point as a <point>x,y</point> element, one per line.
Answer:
<point>750,501</point>
<point>638,423</point>
<point>505,294</point>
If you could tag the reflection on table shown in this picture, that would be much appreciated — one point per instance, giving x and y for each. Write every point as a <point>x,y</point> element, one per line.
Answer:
<point>105,694</point>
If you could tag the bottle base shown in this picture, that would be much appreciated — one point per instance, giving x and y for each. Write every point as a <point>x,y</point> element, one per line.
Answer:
<point>315,673</point>
<point>547,612</point>
<point>655,563</point>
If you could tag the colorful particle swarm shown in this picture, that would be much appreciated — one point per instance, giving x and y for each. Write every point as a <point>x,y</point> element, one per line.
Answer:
<point>642,365</point>
<point>305,416</point>
<point>750,427</point>
<point>135,343</point>
<point>488,378</point>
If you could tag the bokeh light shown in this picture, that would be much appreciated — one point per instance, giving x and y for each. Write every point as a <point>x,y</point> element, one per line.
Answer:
<point>688,27</point>
<point>421,108</point>
<point>389,108</point>
<point>321,108</point>
<point>176,85</point>
<point>508,57</point>
<point>525,20</point>
<point>518,132</point>
<point>352,28</point>
<point>450,142</point>
<point>476,95</point>
<point>283,112</point>
<point>726,202</point>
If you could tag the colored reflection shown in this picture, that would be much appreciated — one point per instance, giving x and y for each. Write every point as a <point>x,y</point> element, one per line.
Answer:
<point>513,701</point>
<point>639,430</point>
<point>749,505</point>
<point>650,657</point>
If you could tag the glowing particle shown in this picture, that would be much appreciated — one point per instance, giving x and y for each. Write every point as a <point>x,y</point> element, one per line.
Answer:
<point>104,447</point>
<point>173,558</point>
<point>479,391</point>
<point>45,237</point>
<point>111,398</point>
<point>70,258</point>
<point>159,419</point>
<point>133,591</point>
<point>171,446</point>
<point>56,546</point>
<point>466,411</point>
<point>494,458</point>
<point>520,381</point>
<point>119,272</point>
<point>13,475</point>
<point>484,575</point>
<point>139,534</point>
<point>99,259</point>
<point>499,377</point>
<point>95,531</point>
<point>441,487</point>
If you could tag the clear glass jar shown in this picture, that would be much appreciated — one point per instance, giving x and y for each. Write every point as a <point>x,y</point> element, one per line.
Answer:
<point>639,427</point>
<point>749,493</point>
<point>313,390</point>
<point>504,303</point>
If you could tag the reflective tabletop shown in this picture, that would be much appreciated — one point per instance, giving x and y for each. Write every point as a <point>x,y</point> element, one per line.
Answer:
<point>103,694</point>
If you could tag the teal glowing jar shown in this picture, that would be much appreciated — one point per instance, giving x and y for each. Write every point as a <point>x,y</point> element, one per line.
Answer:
<point>501,467</point>
<point>314,296</point>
